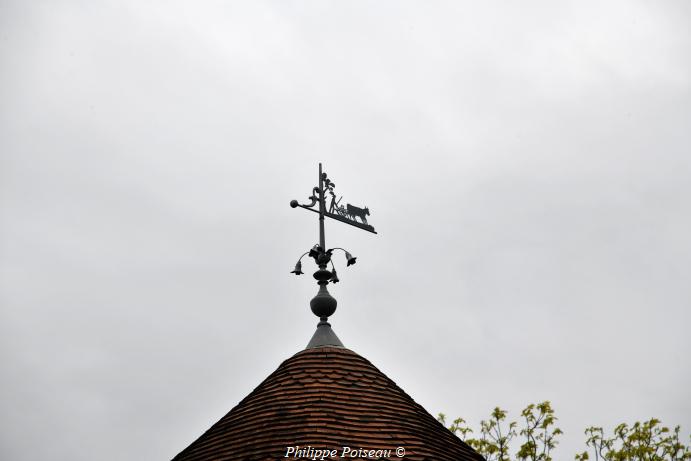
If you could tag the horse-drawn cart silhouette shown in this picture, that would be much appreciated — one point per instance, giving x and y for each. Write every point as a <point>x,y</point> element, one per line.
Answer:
<point>349,211</point>
<point>348,214</point>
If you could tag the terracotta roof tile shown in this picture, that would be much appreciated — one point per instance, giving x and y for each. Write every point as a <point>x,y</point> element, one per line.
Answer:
<point>326,397</point>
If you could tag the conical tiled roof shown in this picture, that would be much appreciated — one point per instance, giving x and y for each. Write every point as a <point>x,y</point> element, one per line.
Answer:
<point>327,398</point>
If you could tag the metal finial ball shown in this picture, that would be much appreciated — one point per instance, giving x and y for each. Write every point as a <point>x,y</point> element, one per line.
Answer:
<point>323,304</point>
<point>293,204</point>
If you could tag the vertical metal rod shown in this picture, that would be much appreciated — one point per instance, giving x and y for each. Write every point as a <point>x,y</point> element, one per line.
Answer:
<point>322,208</point>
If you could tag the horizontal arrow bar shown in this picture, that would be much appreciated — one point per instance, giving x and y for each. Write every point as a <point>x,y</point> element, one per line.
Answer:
<point>308,208</point>
<point>341,218</point>
<point>351,222</point>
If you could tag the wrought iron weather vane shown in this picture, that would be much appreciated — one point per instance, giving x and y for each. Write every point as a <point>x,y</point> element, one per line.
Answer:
<point>323,304</point>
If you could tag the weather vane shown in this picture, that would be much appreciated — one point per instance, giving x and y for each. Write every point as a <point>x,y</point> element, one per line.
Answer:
<point>323,304</point>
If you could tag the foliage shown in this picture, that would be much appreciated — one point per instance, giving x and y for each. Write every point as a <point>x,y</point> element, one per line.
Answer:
<point>494,439</point>
<point>537,432</point>
<point>646,441</point>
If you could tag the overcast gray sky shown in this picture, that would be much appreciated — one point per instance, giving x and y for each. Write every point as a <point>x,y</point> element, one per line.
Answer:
<point>527,166</point>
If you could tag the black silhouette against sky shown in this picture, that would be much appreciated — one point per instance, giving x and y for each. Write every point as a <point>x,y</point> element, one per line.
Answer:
<point>526,166</point>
